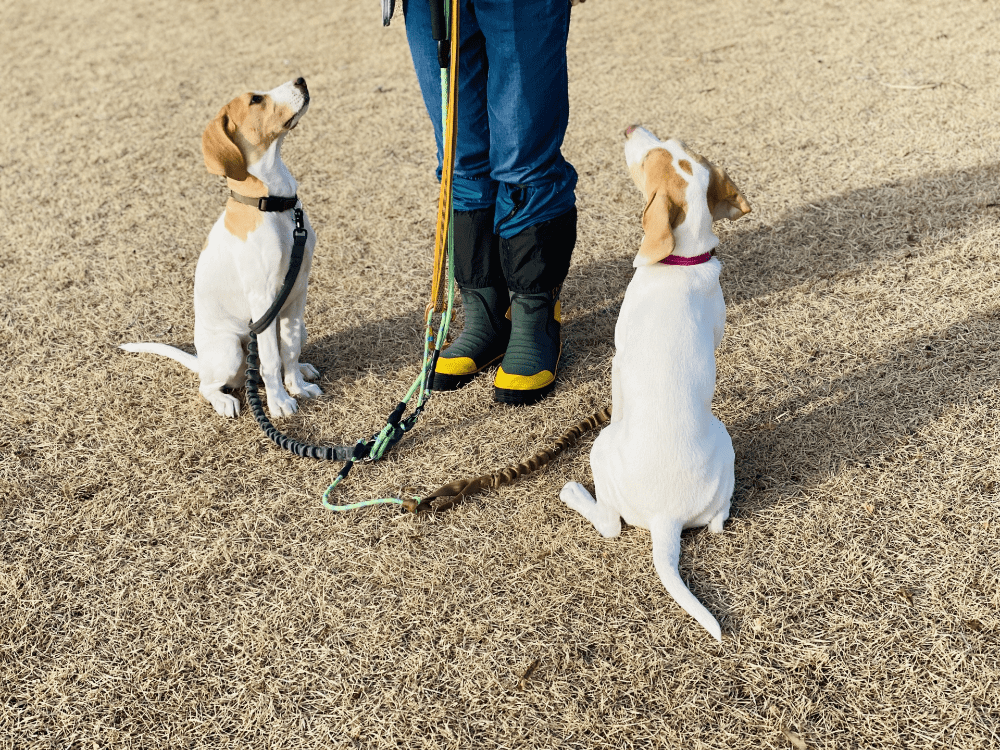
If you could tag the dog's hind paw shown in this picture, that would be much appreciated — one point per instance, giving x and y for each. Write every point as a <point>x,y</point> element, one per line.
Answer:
<point>308,371</point>
<point>575,495</point>
<point>605,520</point>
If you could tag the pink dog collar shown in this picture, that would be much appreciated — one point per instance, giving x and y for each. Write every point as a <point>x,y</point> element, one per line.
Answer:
<point>676,260</point>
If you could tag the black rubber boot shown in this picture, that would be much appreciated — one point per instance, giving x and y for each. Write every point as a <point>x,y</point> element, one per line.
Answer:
<point>484,298</point>
<point>528,371</point>
<point>535,262</point>
<point>482,342</point>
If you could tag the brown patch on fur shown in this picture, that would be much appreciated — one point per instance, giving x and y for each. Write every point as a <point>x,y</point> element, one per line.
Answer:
<point>242,219</point>
<point>666,206</point>
<point>725,201</point>
<point>241,133</point>
<point>686,166</point>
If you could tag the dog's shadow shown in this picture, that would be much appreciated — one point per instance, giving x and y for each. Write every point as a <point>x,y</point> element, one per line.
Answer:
<point>379,347</point>
<point>821,239</point>
<point>860,417</point>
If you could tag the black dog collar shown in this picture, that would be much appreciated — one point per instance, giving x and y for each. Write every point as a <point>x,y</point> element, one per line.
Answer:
<point>267,203</point>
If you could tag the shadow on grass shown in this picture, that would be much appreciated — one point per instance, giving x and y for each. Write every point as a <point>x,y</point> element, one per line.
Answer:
<point>842,233</point>
<point>381,347</point>
<point>856,419</point>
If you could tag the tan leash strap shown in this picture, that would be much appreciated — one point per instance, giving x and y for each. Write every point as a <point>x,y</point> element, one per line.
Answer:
<point>439,280</point>
<point>459,490</point>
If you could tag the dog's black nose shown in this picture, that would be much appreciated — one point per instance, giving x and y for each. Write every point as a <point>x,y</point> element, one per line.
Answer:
<point>300,81</point>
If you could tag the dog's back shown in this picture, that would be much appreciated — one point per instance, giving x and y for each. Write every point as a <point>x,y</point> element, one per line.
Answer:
<point>665,453</point>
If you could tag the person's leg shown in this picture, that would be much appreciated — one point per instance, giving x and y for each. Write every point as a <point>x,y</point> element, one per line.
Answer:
<point>474,188</point>
<point>477,267</point>
<point>528,106</point>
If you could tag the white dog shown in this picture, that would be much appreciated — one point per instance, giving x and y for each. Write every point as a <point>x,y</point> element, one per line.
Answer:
<point>665,462</point>
<point>245,259</point>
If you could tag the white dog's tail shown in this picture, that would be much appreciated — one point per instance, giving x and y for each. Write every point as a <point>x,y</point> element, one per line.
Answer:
<point>190,361</point>
<point>666,552</point>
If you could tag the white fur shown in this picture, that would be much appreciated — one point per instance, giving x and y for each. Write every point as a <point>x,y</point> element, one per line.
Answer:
<point>236,281</point>
<point>665,462</point>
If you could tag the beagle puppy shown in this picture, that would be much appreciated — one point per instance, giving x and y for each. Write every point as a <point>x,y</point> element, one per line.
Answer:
<point>665,462</point>
<point>243,265</point>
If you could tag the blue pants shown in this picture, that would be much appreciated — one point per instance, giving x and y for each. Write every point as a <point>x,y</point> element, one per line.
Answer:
<point>513,105</point>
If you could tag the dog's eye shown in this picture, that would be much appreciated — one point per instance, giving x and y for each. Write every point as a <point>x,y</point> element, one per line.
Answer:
<point>256,99</point>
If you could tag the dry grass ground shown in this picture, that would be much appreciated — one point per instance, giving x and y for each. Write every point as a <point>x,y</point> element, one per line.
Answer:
<point>168,579</point>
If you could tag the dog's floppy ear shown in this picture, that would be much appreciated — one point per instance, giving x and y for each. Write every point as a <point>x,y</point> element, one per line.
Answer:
<point>222,155</point>
<point>658,241</point>
<point>725,201</point>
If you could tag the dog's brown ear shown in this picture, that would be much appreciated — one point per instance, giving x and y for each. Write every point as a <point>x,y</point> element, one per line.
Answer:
<point>658,241</point>
<point>725,201</point>
<point>222,155</point>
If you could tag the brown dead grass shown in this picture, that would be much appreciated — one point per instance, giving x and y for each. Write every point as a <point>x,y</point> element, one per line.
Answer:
<point>168,579</point>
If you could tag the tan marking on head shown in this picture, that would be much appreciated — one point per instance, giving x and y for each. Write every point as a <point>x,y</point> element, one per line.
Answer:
<point>638,176</point>
<point>686,166</point>
<point>666,205</point>
<point>725,201</point>
<point>242,131</point>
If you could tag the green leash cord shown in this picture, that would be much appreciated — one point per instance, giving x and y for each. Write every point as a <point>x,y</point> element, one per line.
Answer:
<point>392,431</point>
<point>395,426</point>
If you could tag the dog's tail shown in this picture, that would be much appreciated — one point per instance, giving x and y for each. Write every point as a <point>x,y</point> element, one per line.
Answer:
<point>666,552</point>
<point>190,361</point>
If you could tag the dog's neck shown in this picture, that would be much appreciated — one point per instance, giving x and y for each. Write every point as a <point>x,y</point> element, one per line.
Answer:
<point>694,235</point>
<point>267,176</point>
<point>694,242</point>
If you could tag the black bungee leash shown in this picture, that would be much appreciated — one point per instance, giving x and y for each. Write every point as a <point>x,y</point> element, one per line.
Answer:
<point>396,426</point>
<point>299,238</point>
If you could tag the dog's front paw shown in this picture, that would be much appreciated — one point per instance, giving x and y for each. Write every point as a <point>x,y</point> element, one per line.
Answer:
<point>308,371</point>
<point>281,405</point>
<point>301,389</point>
<point>311,391</point>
